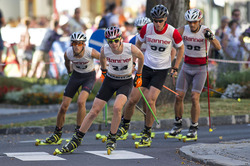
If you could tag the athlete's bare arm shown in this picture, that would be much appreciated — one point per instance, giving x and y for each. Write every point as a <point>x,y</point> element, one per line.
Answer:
<point>103,60</point>
<point>95,54</point>
<point>136,53</point>
<point>181,30</point>
<point>67,63</point>
<point>214,42</point>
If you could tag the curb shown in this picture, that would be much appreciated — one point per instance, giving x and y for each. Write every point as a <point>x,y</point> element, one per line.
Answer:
<point>134,125</point>
<point>218,154</point>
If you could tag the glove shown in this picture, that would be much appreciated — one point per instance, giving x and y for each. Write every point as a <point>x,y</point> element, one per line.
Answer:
<point>70,74</point>
<point>104,72</point>
<point>209,35</point>
<point>138,80</point>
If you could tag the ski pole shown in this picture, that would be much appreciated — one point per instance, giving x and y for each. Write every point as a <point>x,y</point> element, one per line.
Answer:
<point>238,99</point>
<point>148,104</point>
<point>170,90</point>
<point>137,107</point>
<point>208,101</point>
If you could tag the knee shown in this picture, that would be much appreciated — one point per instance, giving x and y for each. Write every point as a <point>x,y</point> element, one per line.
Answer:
<point>117,110</point>
<point>81,104</point>
<point>93,114</point>
<point>179,98</point>
<point>133,101</point>
<point>151,101</point>
<point>63,109</point>
<point>195,98</point>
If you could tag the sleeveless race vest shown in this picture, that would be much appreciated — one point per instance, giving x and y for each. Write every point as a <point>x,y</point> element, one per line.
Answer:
<point>84,64</point>
<point>158,46</point>
<point>119,64</point>
<point>195,49</point>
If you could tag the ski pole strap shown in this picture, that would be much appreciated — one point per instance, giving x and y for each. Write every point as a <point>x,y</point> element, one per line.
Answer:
<point>148,105</point>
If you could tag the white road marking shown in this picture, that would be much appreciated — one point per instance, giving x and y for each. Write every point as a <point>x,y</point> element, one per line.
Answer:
<point>248,124</point>
<point>120,154</point>
<point>34,156</point>
<point>161,132</point>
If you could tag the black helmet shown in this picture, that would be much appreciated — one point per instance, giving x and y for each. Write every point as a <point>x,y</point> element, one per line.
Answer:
<point>159,11</point>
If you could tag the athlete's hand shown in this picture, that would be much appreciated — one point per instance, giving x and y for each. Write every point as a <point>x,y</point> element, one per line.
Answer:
<point>104,72</point>
<point>70,74</point>
<point>138,80</point>
<point>208,34</point>
<point>174,72</point>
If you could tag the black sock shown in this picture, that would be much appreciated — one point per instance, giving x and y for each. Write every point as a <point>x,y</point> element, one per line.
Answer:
<point>126,121</point>
<point>58,129</point>
<point>147,128</point>
<point>112,134</point>
<point>80,134</point>
<point>178,118</point>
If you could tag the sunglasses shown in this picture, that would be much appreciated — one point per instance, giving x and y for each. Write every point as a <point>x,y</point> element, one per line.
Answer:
<point>110,41</point>
<point>160,21</point>
<point>139,28</point>
<point>77,44</point>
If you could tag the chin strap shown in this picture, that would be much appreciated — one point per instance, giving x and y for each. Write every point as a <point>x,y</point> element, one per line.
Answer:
<point>76,54</point>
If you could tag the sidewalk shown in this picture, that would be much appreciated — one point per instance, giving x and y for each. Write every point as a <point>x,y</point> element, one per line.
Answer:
<point>233,153</point>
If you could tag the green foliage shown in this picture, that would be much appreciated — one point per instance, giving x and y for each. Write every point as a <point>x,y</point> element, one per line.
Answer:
<point>241,78</point>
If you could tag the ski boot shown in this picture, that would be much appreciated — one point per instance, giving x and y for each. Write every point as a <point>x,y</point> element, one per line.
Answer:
<point>175,132</point>
<point>70,146</point>
<point>111,143</point>
<point>122,131</point>
<point>136,136</point>
<point>54,139</point>
<point>191,135</point>
<point>145,139</point>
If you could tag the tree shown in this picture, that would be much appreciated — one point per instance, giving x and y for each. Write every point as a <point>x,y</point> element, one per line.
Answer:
<point>177,9</point>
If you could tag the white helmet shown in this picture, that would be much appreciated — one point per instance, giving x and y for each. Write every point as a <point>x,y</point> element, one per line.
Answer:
<point>112,32</point>
<point>141,21</point>
<point>159,11</point>
<point>78,36</point>
<point>193,15</point>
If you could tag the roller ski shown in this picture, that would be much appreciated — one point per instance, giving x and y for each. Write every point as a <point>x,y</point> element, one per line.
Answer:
<point>145,140</point>
<point>138,136</point>
<point>70,146</point>
<point>54,139</point>
<point>175,132</point>
<point>104,137</point>
<point>191,135</point>
<point>111,143</point>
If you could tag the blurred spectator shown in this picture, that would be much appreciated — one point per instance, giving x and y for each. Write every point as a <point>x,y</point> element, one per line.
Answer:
<point>25,49</point>
<point>245,41</point>
<point>75,23</point>
<point>142,11</point>
<point>114,18</point>
<point>219,34</point>
<point>232,47</point>
<point>42,54</point>
<point>110,17</point>
<point>236,16</point>
<point>2,23</point>
<point>122,18</point>
<point>63,23</point>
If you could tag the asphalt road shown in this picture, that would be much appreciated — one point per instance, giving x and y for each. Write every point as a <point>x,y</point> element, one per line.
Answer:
<point>20,149</point>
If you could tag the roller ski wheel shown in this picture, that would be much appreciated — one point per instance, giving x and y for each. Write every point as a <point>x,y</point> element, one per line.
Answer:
<point>138,144</point>
<point>58,152</point>
<point>109,151</point>
<point>43,142</point>
<point>136,136</point>
<point>185,138</point>
<point>168,135</point>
